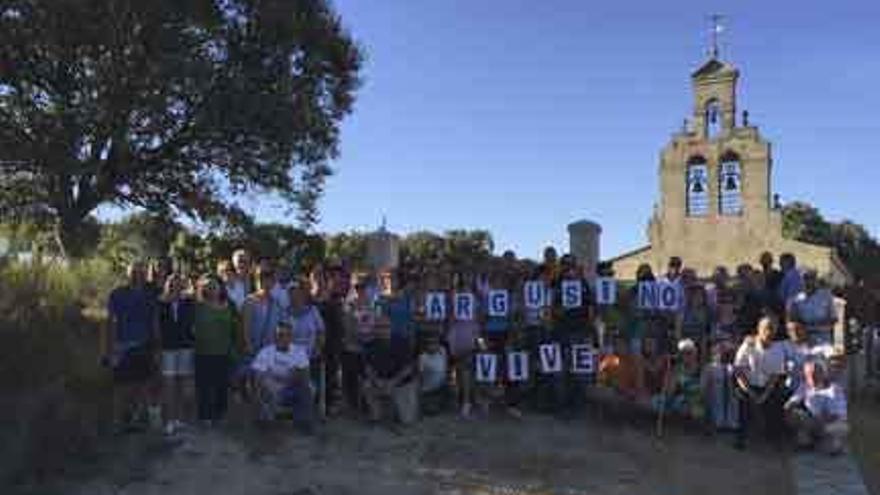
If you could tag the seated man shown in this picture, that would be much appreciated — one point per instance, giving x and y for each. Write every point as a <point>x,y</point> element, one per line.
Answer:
<point>433,376</point>
<point>390,376</point>
<point>281,374</point>
<point>817,411</point>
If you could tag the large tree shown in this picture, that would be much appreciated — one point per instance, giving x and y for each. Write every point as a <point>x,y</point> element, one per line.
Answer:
<point>174,106</point>
<point>855,245</point>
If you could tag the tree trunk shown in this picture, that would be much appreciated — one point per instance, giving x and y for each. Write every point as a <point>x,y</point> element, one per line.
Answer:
<point>73,238</point>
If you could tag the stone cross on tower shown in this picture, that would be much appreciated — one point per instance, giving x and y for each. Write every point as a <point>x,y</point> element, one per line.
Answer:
<point>717,28</point>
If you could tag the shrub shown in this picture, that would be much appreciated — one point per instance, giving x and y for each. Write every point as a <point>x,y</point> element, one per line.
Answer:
<point>53,394</point>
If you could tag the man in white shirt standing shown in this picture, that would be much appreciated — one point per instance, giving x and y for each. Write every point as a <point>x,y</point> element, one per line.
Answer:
<point>759,368</point>
<point>282,377</point>
<point>814,306</point>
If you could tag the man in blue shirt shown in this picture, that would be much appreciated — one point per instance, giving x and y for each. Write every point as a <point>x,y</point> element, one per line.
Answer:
<point>792,283</point>
<point>129,344</point>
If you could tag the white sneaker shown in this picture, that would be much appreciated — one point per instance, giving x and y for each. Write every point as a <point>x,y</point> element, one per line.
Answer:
<point>466,410</point>
<point>170,428</point>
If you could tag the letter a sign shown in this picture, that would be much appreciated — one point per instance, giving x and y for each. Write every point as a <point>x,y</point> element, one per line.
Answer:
<point>435,306</point>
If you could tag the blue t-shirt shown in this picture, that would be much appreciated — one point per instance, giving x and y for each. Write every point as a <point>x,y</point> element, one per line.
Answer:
<point>399,313</point>
<point>134,309</point>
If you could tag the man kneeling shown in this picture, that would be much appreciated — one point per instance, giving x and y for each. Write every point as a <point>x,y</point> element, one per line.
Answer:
<point>817,410</point>
<point>391,376</point>
<point>282,378</point>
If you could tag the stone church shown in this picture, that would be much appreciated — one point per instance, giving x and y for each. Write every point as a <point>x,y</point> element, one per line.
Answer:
<point>716,206</point>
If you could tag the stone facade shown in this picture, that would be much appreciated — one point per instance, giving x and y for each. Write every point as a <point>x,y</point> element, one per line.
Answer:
<point>583,241</point>
<point>383,250</point>
<point>715,205</point>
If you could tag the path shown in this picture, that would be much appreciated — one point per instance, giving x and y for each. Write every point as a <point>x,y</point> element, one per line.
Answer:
<point>817,474</point>
<point>447,456</point>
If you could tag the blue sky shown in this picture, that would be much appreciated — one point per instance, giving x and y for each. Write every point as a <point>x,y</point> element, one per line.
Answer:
<point>520,116</point>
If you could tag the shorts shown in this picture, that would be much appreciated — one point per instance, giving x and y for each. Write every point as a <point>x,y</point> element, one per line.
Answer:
<point>178,362</point>
<point>134,366</point>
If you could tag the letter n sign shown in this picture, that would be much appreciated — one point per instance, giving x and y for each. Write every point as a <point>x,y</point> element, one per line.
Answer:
<point>648,295</point>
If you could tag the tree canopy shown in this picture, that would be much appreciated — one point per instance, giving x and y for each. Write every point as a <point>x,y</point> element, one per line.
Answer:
<point>173,106</point>
<point>467,249</point>
<point>855,245</point>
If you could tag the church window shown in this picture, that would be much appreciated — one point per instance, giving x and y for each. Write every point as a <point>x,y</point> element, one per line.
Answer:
<point>730,185</point>
<point>697,186</point>
<point>713,119</point>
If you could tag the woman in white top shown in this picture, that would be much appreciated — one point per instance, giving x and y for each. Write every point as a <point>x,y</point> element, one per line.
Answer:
<point>759,368</point>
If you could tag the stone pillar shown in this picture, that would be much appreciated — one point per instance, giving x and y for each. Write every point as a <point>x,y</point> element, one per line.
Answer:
<point>583,239</point>
<point>383,250</point>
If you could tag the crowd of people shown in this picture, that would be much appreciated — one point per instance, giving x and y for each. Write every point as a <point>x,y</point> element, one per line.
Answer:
<point>737,352</point>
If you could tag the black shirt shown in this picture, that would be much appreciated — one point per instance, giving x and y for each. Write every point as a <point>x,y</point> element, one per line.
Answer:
<point>176,324</point>
<point>388,357</point>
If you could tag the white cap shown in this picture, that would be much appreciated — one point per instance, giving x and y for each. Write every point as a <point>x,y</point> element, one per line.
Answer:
<point>686,345</point>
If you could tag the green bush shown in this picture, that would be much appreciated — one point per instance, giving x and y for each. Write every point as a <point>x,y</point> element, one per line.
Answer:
<point>53,395</point>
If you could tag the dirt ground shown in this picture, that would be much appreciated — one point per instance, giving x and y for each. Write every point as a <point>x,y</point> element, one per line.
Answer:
<point>445,455</point>
<point>865,438</point>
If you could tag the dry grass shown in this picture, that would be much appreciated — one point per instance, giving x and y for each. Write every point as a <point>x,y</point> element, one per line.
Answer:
<point>53,396</point>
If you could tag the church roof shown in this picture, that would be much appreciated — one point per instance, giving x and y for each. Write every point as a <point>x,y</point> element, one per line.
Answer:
<point>714,67</point>
<point>633,252</point>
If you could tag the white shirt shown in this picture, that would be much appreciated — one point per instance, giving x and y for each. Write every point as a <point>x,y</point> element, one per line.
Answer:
<point>815,310</point>
<point>433,370</point>
<point>306,328</point>
<point>760,363</point>
<point>236,291</point>
<point>281,297</point>
<point>821,401</point>
<point>280,364</point>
